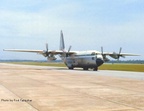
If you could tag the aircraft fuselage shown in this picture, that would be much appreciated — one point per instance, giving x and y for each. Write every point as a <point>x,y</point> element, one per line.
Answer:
<point>84,61</point>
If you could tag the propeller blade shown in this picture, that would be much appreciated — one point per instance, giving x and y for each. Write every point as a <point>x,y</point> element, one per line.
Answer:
<point>69,48</point>
<point>119,53</point>
<point>47,47</point>
<point>120,50</point>
<point>102,50</point>
<point>46,53</point>
<point>67,54</point>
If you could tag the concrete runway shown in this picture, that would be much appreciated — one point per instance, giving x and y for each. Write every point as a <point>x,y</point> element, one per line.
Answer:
<point>38,88</point>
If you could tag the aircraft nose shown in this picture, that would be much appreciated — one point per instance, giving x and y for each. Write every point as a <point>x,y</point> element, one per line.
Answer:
<point>99,62</point>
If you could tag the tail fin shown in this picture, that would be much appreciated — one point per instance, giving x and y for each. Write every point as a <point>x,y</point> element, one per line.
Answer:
<point>62,45</point>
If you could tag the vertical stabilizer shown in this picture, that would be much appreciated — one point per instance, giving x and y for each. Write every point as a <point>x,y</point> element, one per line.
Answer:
<point>62,45</point>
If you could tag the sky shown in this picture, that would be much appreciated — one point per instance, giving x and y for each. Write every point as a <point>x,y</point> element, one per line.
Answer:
<point>86,24</point>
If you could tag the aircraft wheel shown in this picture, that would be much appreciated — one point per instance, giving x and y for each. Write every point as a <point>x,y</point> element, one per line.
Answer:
<point>95,69</point>
<point>70,67</point>
<point>85,68</point>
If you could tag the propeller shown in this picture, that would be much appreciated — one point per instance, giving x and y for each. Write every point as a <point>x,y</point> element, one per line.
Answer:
<point>104,56</point>
<point>69,48</point>
<point>45,52</point>
<point>102,51</point>
<point>119,54</point>
<point>47,47</point>
<point>67,53</point>
<point>120,50</point>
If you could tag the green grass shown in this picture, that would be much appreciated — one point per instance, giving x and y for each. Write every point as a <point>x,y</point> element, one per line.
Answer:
<point>120,67</point>
<point>123,67</point>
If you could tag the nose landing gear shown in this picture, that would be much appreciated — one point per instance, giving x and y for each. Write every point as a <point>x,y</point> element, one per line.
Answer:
<point>95,69</point>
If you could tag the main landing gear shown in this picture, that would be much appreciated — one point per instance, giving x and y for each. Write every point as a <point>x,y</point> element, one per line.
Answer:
<point>70,68</point>
<point>85,68</point>
<point>94,69</point>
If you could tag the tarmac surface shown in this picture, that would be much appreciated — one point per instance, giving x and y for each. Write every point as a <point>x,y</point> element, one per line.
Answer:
<point>40,88</point>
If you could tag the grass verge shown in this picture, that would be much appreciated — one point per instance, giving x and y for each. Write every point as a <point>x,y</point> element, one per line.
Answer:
<point>123,67</point>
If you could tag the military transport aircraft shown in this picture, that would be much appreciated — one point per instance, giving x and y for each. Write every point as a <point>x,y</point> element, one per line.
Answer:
<point>84,59</point>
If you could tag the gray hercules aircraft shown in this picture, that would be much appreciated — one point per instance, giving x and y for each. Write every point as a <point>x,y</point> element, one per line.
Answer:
<point>83,59</point>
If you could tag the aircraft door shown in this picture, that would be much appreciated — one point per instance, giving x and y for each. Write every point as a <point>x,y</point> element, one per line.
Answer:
<point>71,62</point>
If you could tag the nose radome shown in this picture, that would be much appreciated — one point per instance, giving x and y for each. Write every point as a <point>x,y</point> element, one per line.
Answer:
<point>99,62</point>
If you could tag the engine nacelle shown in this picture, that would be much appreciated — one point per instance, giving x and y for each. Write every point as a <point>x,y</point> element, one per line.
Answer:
<point>45,53</point>
<point>115,55</point>
<point>51,58</point>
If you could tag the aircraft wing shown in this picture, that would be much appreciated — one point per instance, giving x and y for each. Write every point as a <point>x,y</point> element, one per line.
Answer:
<point>117,55</point>
<point>128,54</point>
<point>24,50</point>
<point>121,54</point>
<point>53,52</point>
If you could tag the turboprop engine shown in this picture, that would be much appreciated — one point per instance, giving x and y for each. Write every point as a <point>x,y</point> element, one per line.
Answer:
<point>114,55</point>
<point>117,55</point>
<point>51,58</point>
<point>47,54</point>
